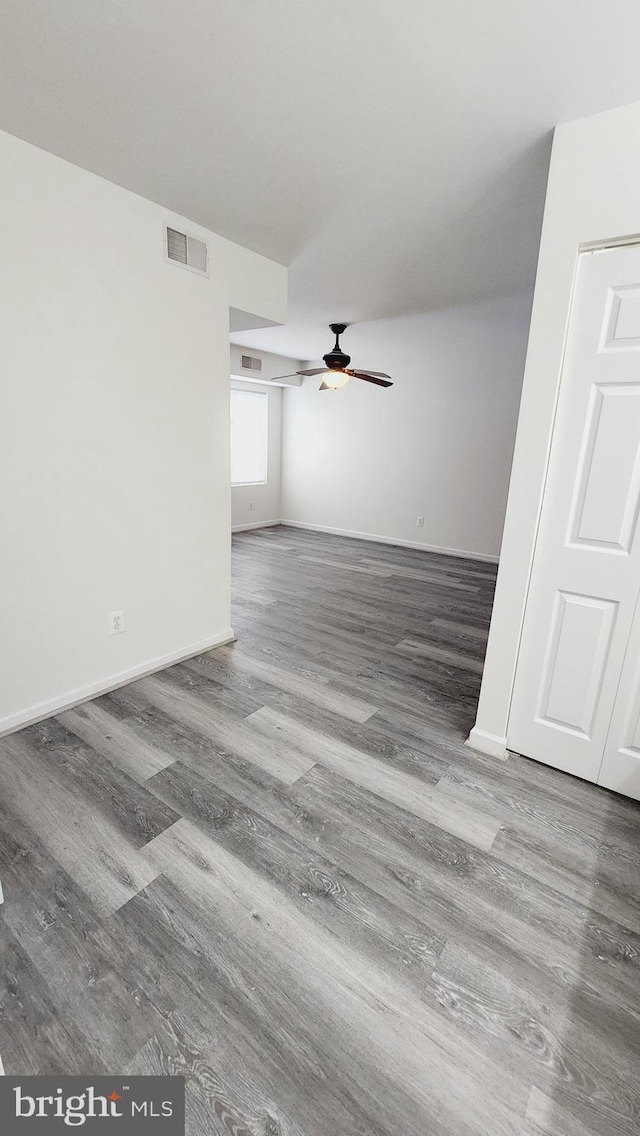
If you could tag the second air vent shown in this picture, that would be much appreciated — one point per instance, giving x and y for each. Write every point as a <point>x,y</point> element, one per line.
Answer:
<point>251,364</point>
<point>190,252</point>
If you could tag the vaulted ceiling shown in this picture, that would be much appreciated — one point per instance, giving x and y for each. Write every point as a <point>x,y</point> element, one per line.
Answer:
<point>393,152</point>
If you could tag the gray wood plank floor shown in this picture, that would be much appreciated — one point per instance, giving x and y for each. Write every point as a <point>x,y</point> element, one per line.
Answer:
<point>276,869</point>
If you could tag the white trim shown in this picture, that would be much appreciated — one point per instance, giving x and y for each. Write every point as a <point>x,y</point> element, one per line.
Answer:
<point>464,553</point>
<point>72,698</point>
<point>490,744</point>
<point>255,525</point>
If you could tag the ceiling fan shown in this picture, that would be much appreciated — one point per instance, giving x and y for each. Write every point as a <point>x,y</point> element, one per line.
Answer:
<point>336,372</point>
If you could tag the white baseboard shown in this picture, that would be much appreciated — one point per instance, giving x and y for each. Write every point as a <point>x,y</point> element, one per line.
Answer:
<point>490,744</point>
<point>72,698</point>
<point>393,540</point>
<point>255,525</point>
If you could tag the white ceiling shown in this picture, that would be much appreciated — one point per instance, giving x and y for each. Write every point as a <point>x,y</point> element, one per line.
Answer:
<point>393,152</point>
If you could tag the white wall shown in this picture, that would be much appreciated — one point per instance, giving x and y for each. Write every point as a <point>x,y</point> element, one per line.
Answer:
<point>114,432</point>
<point>593,196</point>
<point>437,444</point>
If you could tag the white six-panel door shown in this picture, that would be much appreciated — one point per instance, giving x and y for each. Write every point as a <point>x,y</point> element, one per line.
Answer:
<point>585,582</point>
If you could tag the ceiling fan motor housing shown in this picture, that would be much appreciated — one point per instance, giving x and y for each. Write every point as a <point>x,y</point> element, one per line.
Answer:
<point>336,360</point>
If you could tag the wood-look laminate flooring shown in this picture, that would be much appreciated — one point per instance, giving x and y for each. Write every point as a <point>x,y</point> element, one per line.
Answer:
<point>276,869</point>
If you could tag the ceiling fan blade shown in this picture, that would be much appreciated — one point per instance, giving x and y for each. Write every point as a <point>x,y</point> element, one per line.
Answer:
<point>376,374</point>
<point>373,377</point>
<point>314,371</point>
<point>324,387</point>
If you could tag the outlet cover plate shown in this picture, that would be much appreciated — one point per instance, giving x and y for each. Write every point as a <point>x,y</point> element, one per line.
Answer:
<point>116,622</point>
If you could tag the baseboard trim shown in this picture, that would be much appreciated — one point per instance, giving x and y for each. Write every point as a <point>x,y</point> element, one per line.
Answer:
<point>489,744</point>
<point>255,525</point>
<point>374,539</point>
<point>72,698</point>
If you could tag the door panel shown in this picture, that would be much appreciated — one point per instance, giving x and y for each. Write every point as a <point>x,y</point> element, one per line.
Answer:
<point>608,487</point>
<point>577,656</point>
<point>586,572</point>
<point>621,326</point>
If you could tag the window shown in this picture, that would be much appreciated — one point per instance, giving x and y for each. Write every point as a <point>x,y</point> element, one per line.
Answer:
<point>248,437</point>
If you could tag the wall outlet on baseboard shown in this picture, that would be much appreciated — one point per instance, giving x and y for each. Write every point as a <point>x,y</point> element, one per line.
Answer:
<point>420,522</point>
<point>116,622</point>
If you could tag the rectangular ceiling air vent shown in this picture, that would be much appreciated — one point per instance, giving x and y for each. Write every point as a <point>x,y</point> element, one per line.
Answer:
<point>189,252</point>
<point>251,364</point>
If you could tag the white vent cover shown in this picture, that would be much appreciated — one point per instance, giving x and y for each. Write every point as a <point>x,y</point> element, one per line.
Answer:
<point>251,364</point>
<point>190,252</point>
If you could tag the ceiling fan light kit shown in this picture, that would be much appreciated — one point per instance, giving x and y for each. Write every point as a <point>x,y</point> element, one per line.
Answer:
<point>336,372</point>
<point>334,380</point>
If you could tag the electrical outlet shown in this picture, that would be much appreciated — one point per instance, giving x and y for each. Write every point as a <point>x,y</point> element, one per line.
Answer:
<point>251,505</point>
<point>116,622</point>
<point>420,522</point>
